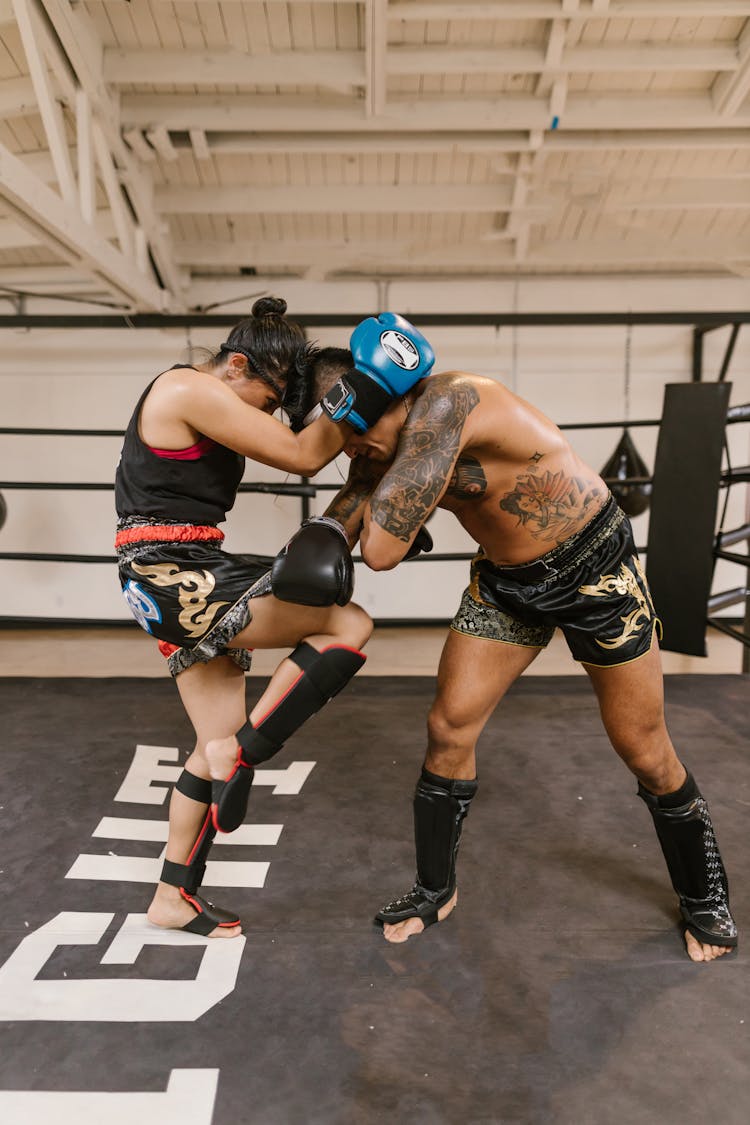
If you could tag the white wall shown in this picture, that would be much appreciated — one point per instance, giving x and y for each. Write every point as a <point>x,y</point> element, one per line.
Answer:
<point>91,379</point>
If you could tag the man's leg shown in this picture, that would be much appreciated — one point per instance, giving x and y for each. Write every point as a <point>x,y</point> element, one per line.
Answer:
<point>473,676</point>
<point>213,695</point>
<point>326,656</point>
<point>631,699</point>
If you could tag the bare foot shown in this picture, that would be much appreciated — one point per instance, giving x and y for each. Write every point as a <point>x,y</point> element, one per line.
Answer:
<point>402,931</point>
<point>699,951</point>
<point>221,754</point>
<point>172,913</point>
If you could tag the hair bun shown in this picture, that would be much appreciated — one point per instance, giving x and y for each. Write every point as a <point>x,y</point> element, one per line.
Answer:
<point>269,306</point>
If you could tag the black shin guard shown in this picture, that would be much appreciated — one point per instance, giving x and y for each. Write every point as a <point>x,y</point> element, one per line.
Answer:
<point>440,807</point>
<point>687,839</point>
<point>189,876</point>
<point>322,675</point>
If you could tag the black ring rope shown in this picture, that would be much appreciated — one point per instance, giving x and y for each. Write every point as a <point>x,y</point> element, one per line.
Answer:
<point>108,486</point>
<point>736,414</point>
<point>40,431</point>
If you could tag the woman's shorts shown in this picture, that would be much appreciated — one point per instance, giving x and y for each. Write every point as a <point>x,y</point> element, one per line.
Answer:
<point>592,586</point>
<point>186,592</point>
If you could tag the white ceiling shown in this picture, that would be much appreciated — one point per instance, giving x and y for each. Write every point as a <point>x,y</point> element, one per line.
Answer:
<point>145,144</point>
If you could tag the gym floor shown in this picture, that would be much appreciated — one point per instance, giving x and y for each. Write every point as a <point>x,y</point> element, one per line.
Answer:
<point>403,651</point>
<point>558,992</point>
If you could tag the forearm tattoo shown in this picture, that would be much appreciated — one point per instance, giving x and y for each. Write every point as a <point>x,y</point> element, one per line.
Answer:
<point>344,505</point>
<point>350,501</point>
<point>550,505</point>
<point>425,461</point>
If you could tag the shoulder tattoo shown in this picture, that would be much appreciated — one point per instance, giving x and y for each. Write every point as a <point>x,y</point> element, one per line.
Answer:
<point>426,457</point>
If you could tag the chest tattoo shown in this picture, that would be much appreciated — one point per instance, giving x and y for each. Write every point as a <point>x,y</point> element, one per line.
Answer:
<point>468,481</point>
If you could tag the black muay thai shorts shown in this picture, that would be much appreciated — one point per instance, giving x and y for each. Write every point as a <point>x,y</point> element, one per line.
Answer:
<point>592,586</point>
<point>185,591</point>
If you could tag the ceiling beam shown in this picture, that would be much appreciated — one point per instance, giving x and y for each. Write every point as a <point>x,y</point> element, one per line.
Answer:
<point>216,253</point>
<point>634,57</point>
<point>355,144</point>
<point>530,9</point>
<point>49,278</point>
<point>27,18</point>
<point>730,90</point>
<point>61,227</point>
<point>326,256</point>
<point>527,9</point>
<point>654,195</point>
<point>417,199</point>
<point>335,70</point>
<point>711,177</point>
<point>16,237</point>
<point>82,50</point>
<point>199,144</point>
<point>353,199</point>
<point>641,250</point>
<point>552,9</point>
<point>376,56</point>
<point>282,114</point>
<point>357,68</point>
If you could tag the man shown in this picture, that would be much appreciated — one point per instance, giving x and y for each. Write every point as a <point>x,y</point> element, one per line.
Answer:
<point>555,551</point>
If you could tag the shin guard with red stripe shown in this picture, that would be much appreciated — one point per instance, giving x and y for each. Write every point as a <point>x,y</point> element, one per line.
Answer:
<point>322,675</point>
<point>189,876</point>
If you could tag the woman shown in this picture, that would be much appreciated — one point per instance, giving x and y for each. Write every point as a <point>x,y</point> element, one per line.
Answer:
<point>181,465</point>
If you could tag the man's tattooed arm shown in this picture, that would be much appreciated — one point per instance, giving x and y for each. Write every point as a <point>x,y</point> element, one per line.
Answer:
<point>426,458</point>
<point>348,505</point>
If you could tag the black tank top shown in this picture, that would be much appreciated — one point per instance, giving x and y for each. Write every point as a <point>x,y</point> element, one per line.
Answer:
<point>199,491</point>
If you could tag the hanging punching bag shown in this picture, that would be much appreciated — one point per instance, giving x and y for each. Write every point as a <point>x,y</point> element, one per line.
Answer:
<point>3,511</point>
<point>626,462</point>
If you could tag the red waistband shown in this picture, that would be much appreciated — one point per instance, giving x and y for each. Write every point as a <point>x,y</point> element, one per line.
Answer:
<point>168,533</point>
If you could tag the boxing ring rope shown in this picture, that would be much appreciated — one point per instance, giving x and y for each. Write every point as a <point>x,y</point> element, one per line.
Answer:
<point>304,490</point>
<point>307,491</point>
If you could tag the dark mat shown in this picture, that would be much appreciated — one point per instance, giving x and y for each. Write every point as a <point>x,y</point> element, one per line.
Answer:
<point>559,991</point>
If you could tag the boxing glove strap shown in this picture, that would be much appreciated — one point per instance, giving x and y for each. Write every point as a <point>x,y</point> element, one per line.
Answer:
<point>356,398</point>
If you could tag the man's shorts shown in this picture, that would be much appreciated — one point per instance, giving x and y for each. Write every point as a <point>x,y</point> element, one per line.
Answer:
<point>592,587</point>
<point>186,592</point>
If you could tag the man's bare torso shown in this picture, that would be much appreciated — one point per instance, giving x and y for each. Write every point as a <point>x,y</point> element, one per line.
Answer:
<point>517,487</point>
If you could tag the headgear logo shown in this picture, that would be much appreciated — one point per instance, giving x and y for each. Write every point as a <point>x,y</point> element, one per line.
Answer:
<point>400,349</point>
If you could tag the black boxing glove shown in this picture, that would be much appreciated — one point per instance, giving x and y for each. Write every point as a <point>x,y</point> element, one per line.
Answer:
<point>315,567</point>
<point>421,545</point>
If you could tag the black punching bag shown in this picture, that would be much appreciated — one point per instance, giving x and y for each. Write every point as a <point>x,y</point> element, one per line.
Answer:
<point>625,463</point>
<point>3,511</point>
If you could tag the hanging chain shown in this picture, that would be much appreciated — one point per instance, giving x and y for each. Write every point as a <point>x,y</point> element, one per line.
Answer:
<point>514,344</point>
<point>628,344</point>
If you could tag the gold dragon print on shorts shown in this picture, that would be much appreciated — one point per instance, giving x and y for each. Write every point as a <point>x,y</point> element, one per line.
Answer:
<point>195,586</point>
<point>626,583</point>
